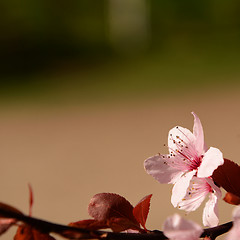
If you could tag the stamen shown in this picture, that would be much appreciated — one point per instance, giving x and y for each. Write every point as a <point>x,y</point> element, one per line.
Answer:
<point>193,151</point>
<point>185,157</point>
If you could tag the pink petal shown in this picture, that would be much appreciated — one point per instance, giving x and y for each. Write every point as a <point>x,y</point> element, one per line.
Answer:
<point>199,135</point>
<point>236,214</point>
<point>211,160</point>
<point>234,233</point>
<point>180,188</point>
<point>175,227</point>
<point>181,136</point>
<point>157,167</point>
<point>214,187</point>
<point>181,143</point>
<point>195,195</point>
<point>210,212</point>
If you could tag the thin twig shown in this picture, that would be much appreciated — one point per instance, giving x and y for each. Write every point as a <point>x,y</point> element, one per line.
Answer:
<point>80,233</point>
<point>214,232</point>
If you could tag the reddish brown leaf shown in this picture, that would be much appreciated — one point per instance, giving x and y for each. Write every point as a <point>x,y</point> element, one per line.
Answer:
<point>122,224</point>
<point>113,209</point>
<point>26,232</point>
<point>141,210</point>
<point>90,224</point>
<point>232,199</point>
<point>104,206</point>
<point>227,176</point>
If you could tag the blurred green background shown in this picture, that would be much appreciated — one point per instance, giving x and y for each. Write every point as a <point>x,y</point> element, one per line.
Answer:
<point>87,50</point>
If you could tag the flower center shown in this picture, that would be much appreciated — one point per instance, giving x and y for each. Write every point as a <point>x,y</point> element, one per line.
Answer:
<point>184,152</point>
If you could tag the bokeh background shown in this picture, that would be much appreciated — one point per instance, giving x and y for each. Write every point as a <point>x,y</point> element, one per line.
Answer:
<point>89,89</point>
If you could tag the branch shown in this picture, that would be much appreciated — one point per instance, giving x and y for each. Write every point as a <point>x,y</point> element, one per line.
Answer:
<point>80,233</point>
<point>217,231</point>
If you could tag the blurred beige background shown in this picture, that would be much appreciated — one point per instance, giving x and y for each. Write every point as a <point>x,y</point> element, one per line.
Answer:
<point>89,89</point>
<point>70,153</point>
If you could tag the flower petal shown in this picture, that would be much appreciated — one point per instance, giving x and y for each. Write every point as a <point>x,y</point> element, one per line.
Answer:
<point>199,135</point>
<point>234,233</point>
<point>176,227</point>
<point>181,143</point>
<point>210,212</point>
<point>180,188</point>
<point>214,187</point>
<point>195,195</point>
<point>211,160</point>
<point>157,167</point>
<point>180,137</point>
<point>236,214</point>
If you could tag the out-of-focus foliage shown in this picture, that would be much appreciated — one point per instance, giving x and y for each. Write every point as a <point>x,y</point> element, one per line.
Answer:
<point>141,38</point>
<point>36,33</point>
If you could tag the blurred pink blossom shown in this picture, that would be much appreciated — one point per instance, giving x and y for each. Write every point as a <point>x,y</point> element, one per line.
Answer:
<point>234,233</point>
<point>178,228</point>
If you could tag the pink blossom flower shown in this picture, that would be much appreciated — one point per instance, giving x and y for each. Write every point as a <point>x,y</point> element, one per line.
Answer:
<point>177,228</point>
<point>197,191</point>
<point>234,233</point>
<point>188,157</point>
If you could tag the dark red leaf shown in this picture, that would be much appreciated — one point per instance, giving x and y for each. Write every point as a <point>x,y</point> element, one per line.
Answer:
<point>113,209</point>
<point>141,210</point>
<point>104,206</point>
<point>122,224</point>
<point>90,224</point>
<point>26,232</point>
<point>23,233</point>
<point>232,199</point>
<point>227,176</point>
